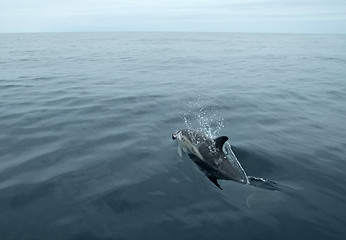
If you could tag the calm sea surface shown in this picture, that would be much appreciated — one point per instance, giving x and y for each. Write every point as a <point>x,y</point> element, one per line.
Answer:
<point>85,135</point>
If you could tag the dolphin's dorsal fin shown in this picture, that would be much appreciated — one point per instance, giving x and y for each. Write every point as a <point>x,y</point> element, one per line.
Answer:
<point>220,141</point>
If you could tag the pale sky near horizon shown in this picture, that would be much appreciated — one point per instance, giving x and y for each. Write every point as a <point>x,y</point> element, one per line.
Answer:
<point>271,16</point>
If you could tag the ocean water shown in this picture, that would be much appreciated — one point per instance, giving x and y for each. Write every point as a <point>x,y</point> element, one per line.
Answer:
<point>86,122</point>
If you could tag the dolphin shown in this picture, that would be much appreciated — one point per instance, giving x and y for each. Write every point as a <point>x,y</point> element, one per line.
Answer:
<point>215,158</point>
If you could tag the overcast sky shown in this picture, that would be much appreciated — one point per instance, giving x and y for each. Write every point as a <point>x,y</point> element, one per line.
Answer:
<point>284,16</point>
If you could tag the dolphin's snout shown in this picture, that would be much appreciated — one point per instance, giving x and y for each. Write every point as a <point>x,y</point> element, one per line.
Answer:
<point>176,135</point>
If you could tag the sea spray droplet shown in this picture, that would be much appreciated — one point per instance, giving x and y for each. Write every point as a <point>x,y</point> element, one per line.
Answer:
<point>203,117</point>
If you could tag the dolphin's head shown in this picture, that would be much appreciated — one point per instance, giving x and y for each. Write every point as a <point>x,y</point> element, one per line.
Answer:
<point>184,133</point>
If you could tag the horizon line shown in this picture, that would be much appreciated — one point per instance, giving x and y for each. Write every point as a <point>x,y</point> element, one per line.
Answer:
<point>163,31</point>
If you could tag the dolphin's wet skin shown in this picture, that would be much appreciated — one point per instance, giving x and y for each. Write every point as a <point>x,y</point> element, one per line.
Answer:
<point>216,159</point>
<point>210,156</point>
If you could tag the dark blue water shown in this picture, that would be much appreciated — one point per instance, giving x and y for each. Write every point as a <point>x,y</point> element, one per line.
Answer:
<point>85,135</point>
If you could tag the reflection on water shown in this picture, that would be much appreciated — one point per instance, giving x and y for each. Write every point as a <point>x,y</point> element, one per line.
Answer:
<point>86,122</point>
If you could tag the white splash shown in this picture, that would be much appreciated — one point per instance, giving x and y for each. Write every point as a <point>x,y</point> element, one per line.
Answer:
<point>202,117</point>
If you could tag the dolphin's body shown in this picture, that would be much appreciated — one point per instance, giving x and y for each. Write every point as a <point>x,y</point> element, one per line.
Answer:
<point>209,155</point>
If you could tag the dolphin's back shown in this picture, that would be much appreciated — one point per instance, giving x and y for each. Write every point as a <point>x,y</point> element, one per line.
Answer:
<point>232,165</point>
<point>219,164</point>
